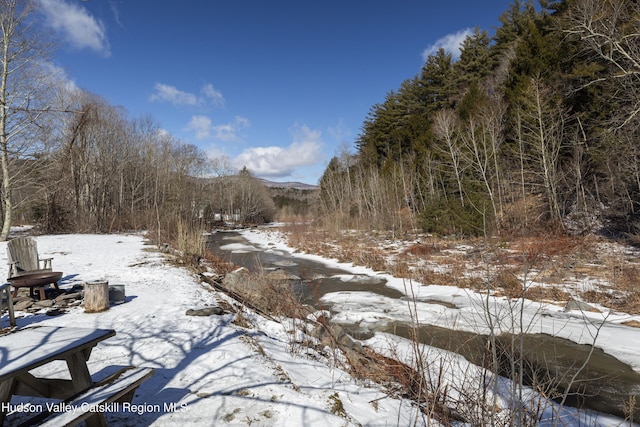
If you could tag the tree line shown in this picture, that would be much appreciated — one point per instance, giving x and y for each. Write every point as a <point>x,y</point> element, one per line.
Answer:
<point>534,127</point>
<point>71,162</point>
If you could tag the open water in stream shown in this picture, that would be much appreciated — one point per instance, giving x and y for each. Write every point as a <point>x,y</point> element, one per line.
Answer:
<point>606,382</point>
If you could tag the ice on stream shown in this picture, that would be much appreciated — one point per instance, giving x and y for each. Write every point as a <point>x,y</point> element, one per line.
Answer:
<point>359,278</point>
<point>239,248</point>
<point>373,311</point>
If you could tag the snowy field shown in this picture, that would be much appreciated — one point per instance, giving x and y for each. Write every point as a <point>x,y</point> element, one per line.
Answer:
<point>215,372</point>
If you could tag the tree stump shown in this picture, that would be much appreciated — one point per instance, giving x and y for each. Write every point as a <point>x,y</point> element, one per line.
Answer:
<point>96,296</point>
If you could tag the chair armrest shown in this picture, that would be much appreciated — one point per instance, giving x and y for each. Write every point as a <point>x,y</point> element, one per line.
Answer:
<point>6,288</point>
<point>46,263</point>
<point>13,269</point>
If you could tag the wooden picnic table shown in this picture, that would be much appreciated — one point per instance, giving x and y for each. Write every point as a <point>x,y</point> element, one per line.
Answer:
<point>26,349</point>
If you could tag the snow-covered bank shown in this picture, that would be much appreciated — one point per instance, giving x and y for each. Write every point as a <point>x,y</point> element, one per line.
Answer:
<point>463,309</point>
<point>215,372</point>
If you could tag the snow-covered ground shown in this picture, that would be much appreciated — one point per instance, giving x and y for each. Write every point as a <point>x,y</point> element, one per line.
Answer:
<point>462,309</point>
<point>465,310</point>
<point>219,373</point>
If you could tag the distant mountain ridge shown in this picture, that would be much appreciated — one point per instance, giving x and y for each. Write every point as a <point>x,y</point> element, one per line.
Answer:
<point>288,185</point>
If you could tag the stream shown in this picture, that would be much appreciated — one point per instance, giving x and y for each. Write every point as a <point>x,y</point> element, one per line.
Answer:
<point>606,383</point>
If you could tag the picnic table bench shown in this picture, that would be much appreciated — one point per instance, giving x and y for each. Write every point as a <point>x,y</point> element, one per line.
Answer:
<point>86,405</point>
<point>26,349</point>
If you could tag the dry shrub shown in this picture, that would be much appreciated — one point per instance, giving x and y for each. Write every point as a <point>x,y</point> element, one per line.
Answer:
<point>430,277</point>
<point>628,302</point>
<point>241,320</point>
<point>421,249</point>
<point>352,250</point>
<point>512,287</point>
<point>190,241</point>
<point>373,259</point>
<point>509,283</point>
<point>549,246</point>
<point>470,282</point>
<point>311,240</point>
<point>523,212</point>
<point>343,246</point>
<point>267,295</point>
<point>280,300</point>
<point>562,245</point>
<point>597,297</point>
<point>410,383</point>
<point>217,264</point>
<point>623,276</point>
<point>389,370</point>
<point>296,232</point>
<point>541,293</point>
<point>631,323</point>
<point>406,219</point>
<point>628,279</point>
<point>401,269</point>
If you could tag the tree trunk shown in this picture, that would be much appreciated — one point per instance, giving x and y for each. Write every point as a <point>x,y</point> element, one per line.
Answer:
<point>96,296</point>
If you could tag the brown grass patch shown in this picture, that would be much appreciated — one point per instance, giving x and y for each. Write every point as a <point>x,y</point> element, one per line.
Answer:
<point>273,297</point>
<point>540,248</point>
<point>422,249</point>
<point>625,302</point>
<point>509,283</point>
<point>430,277</point>
<point>597,297</point>
<point>550,293</point>
<point>402,269</point>
<point>621,301</point>
<point>628,279</point>
<point>217,264</point>
<point>405,381</point>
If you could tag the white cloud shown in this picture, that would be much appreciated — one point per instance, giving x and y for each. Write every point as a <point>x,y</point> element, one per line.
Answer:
<point>77,26</point>
<point>163,133</point>
<point>228,132</point>
<point>242,122</point>
<point>450,43</point>
<point>173,95</point>
<point>214,95</point>
<point>116,13</point>
<point>56,76</point>
<point>305,150</point>
<point>167,93</point>
<point>201,125</point>
<point>340,132</point>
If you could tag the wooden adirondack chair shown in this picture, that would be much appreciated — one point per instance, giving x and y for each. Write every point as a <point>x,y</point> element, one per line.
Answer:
<point>27,269</point>
<point>22,253</point>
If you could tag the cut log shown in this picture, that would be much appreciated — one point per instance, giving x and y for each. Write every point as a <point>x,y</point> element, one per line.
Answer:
<point>96,296</point>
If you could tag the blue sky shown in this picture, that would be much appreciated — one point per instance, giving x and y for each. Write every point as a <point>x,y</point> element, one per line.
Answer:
<point>277,86</point>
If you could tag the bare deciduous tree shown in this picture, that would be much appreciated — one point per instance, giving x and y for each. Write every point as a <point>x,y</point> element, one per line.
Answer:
<point>23,95</point>
<point>445,127</point>
<point>544,125</point>
<point>609,31</point>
